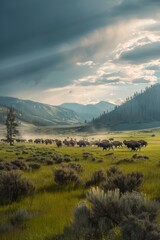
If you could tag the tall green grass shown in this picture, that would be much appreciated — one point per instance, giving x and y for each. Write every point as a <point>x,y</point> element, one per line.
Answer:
<point>52,207</point>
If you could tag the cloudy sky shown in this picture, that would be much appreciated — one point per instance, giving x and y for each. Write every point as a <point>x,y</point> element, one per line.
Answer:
<point>84,51</point>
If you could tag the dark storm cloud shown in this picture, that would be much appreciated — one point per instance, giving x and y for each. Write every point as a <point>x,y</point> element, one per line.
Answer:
<point>112,78</point>
<point>140,80</point>
<point>32,24</point>
<point>36,63</point>
<point>155,68</point>
<point>100,81</point>
<point>140,9</point>
<point>30,67</point>
<point>142,54</point>
<point>42,70</point>
<point>28,26</point>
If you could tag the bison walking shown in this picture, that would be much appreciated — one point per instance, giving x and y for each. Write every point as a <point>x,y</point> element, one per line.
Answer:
<point>132,144</point>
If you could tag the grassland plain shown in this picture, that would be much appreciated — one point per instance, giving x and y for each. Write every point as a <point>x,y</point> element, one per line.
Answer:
<point>52,206</point>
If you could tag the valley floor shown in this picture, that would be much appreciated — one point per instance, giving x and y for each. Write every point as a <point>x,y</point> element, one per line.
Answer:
<point>52,206</point>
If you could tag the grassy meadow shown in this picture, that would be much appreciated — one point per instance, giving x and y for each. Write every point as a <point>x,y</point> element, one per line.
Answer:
<point>52,206</point>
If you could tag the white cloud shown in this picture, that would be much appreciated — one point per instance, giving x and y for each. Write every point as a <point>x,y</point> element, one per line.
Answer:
<point>104,76</point>
<point>87,63</point>
<point>113,72</point>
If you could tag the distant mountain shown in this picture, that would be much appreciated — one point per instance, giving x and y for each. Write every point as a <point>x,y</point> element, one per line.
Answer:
<point>89,111</point>
<point>38,113</point>
<point>141,109</point>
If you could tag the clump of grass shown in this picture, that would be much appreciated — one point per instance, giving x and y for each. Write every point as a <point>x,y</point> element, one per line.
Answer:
<point>67,158</point>
<point>5,228</point>
<point>20,165</point>
<point>21,216</point>
<point>85,155</point>
<point>100,160</point>
<point>34,166</point>
<point>76,167</point>
<point>136,156</point>
<point>125,160</point>
<point>96,179</point>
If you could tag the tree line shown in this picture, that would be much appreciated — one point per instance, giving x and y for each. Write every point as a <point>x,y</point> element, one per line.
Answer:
<point>141,107</point>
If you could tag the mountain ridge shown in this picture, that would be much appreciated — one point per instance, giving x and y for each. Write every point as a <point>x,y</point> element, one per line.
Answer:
<point>89,111</point>
<point>43,114</point>
<point>40,113</point>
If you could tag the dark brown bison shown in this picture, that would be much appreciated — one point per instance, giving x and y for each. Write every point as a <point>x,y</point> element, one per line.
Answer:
<point>117,144</point>
<point>143,143</point>
<point>81,143</point>
<point>106,145</point>
<point>48,141</point>
<point>58,143</point>
<point>132,144</point>
<point>38,140</point>
<point>111,139</point>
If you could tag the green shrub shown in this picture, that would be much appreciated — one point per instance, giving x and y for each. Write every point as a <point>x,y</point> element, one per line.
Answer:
<point>106,211</point>
<point>112,171</point>
<point>76,159</point>
<point>49,162</point>
<point>67,158</point>
<point>25,152</point>
<point>137,204</point>
<point>20,158</point>
<point>82,221</point>
<point>58,158</point>
<point>105,208</point>
<point>66,176</point>
<point>85,155</point>
<point>34,166</point>
<point>134,228</point>
<point>21,216</point>
<point>125,182</point>
<point>99,160</point>
<point>20,165</point>
<point>5,228</point>
<point>115,178</point>
<point>125,160</point>
<point>13,187</point>
<point>76,167</point>
<point>96,178</point>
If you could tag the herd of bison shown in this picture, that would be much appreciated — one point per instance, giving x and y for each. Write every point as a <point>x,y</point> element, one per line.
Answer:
<point>110,144</point>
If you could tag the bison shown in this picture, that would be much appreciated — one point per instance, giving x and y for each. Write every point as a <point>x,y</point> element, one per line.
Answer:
<point>117,144</point>
<point>132,144</point>
<point>106,145</point>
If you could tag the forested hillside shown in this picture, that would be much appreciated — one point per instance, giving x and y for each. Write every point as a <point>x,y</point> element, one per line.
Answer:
<point>141,108</point>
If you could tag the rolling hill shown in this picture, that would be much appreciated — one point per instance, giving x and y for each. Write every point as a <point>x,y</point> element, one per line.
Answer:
<point>142,109</point>
<point>89,111</point>
<point>38,113</point>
